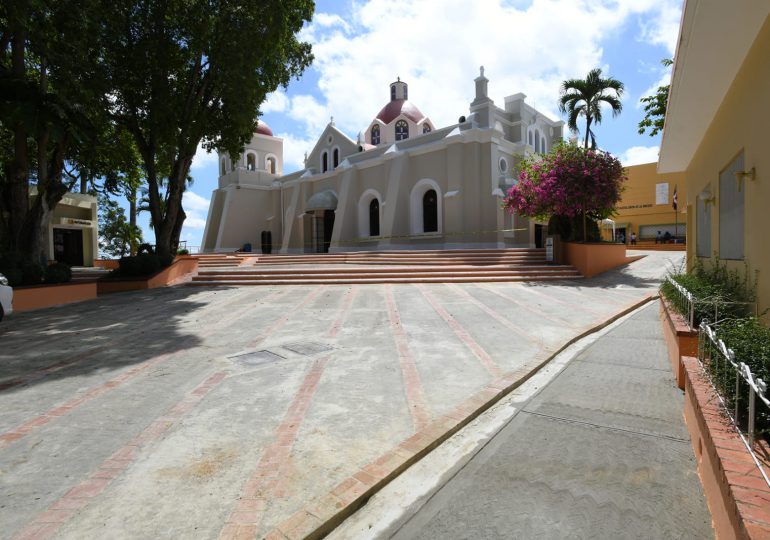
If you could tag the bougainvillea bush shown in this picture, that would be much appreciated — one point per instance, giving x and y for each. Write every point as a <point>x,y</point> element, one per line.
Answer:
<point>568,181</point>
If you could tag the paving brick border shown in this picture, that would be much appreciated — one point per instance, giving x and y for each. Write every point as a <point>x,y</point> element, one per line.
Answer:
<point>322,515</point>
<point>737,494</point>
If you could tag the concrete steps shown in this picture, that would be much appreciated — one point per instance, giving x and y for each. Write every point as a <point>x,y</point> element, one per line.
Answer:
<point>448,266</point>
<point>652,246</point>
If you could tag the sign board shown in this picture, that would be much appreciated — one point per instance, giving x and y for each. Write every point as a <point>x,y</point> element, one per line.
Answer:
<point>76,221</point>
<point>661,193</point>
<point>549,249</point>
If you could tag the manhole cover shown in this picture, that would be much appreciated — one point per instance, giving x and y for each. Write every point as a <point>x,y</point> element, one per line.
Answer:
<point>256,358</point>
<point>307,348</point>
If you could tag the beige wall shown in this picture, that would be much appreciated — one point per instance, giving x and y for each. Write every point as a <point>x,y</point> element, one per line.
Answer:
<point>76,211</point>
<point>740,125</point>
<point>638,208</point>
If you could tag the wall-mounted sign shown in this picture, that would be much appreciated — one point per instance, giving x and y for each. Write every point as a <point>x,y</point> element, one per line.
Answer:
<point>661,193</point>
<point>76,221</point>
<point>549,249</point>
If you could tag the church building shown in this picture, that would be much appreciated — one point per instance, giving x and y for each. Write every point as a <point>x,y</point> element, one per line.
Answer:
<point>404,184</point>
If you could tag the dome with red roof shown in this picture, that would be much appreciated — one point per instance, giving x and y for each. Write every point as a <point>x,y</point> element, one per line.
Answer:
<point>394,108</point>
<point>263,129</point>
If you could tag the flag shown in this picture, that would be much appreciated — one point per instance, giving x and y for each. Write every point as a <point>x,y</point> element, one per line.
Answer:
<point>675,200</point>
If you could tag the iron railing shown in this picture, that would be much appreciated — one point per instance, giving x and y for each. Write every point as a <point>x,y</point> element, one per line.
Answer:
<point>739,390</point>
<point>689,305</point>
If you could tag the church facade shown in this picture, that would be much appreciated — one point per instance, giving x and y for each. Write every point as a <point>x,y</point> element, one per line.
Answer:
<point>405,184</point>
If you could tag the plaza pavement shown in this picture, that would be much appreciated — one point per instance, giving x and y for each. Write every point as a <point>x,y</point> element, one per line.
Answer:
<point>244,412</point>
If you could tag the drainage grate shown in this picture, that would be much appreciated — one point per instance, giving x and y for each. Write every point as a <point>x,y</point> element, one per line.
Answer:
<point>307,348</point>
<point>256,358</point>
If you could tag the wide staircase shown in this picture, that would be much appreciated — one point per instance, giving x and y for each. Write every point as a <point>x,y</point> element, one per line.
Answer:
<point>650,245</point>
<point>221,260</point>
<point>412,266</point>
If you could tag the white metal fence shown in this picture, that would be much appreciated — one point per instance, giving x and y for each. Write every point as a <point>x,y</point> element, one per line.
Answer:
<point>743,394</point>
<point>716,306</point>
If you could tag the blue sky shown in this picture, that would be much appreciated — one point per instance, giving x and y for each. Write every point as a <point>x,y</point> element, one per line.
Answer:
<point>437,46</point>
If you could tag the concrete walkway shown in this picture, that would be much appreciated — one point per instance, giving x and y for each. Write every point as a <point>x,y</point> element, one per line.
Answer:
<point>600,452</point>
<point>244,412</point>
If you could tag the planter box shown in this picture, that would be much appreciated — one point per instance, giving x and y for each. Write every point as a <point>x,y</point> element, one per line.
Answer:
<point>592,259</point>
<point>42,296</point>
<point>109,264</point>
<point>680,339</point>
<point>179,271</point>
<point>737,495</point>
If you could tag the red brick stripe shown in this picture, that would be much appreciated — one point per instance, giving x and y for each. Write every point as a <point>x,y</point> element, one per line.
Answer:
<point>415,395</point>
<point>467,340</point>
<point>571,306</point>
<point>347,303</point>
<point>60,410</point>
<point>48,523</point>
<point>528,307</point>
<point>268,480</point>
<point>277,325</point>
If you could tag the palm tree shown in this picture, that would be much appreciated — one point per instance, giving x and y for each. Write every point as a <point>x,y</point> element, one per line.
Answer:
<point>583,97</point>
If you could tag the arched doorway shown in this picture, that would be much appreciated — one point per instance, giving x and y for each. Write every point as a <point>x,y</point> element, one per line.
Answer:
<point>374,218</point>
<point>430,211</point>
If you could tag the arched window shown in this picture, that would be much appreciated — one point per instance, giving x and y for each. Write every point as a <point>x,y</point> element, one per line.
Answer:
<point>430,211</point>
<point>426,128</point>
<point>531,141</point>
<point>402,130</point>
<point>374,218</point>
<point>223,167</point>
<point>392,92</point>
<point>271,165</point>
<point>376,134</point>
<point>336,157</point>
<point>251,162</point>
<point>537,141</point>
<point>406,92</point>
<point>324,161</point>
<point>542,145</point>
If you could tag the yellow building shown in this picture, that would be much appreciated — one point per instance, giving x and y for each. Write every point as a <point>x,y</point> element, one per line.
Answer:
<point>716,133</point>
<point>646,206</point>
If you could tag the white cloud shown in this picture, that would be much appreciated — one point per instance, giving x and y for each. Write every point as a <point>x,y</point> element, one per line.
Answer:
<point>663,27</point>
<point>294,149</point>
<point>276,102</point>
<point>528,48</point>
<point>203,159</point>
<point>196,207</point>
<point>637,155</point>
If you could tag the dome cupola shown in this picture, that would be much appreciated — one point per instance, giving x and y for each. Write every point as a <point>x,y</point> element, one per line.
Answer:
<point>398,119</point>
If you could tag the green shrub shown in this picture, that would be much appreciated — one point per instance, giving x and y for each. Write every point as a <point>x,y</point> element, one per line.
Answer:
<point>183,252</point>
<point>750,341</point>
<point>719,293</point>
<point>143,265</point>
<point>58,273</point>
<point>31,273</point>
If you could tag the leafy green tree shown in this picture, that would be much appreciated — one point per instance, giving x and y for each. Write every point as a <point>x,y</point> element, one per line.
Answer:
<point>117,237</point>
<point>186,72</point>
<point>52,101</point>
<point>584,97</point>
<point>655,107</point>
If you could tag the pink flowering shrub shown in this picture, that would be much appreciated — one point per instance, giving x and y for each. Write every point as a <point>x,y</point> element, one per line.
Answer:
<point>569,181</point>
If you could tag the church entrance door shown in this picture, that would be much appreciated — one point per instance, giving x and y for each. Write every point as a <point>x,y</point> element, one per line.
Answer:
<point>322,235</point>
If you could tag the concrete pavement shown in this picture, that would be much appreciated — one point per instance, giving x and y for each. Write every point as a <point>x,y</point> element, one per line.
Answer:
<point>231,412</point>
<point>600,451</point>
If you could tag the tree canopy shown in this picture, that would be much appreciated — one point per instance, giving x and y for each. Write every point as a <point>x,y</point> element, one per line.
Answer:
<point>569,181</point>
<point>584,97</point>
<point>655,107</point>
<point>52,105</point>
<point>190,72</point>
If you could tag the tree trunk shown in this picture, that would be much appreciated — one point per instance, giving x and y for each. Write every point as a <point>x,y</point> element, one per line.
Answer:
<point>132,218</point>
<point>588,130</point>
